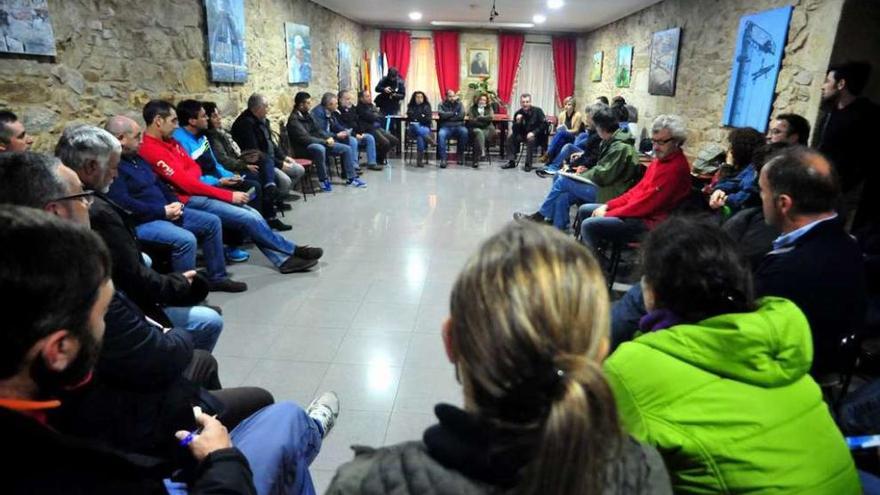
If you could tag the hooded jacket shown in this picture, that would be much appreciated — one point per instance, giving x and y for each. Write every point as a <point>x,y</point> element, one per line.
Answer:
<point>617,167</point>
<point>729,404</point>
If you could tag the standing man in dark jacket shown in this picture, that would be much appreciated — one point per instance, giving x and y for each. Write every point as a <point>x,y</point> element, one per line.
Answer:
<point>371,121</point>
<point>529,127</point>
<point>451,113</point>
<point>390,91</point>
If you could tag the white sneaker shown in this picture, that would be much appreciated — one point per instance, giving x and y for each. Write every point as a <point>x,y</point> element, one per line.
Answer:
<point>324,409</point>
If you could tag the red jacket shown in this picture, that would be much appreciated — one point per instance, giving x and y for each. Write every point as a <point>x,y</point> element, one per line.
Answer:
<point>174,166</point>
<point>666,184</point>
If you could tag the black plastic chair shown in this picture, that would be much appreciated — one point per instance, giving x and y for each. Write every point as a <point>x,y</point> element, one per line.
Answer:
<point>835,385</point>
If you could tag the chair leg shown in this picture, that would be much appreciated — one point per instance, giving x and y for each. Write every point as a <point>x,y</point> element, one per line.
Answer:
<point>616,251</point>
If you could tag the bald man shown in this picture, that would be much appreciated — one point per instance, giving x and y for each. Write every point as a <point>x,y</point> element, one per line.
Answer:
<point>160,216</point>
<point>814,262</point>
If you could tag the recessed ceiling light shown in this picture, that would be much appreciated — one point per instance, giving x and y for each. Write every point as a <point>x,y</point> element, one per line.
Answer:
<point>555,4</point>
<point>539,18</point>
<point>415,16</point>
<point>483,24</point>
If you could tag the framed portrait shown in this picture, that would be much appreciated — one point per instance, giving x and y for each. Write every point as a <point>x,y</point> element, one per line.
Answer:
<point>344,51</point>
<point>226,48</point>
<point>478,62</point>
<point>596,69</point>
<point>299,53</point>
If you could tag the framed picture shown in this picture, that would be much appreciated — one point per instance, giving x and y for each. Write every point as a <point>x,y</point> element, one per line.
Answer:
<point>25,27</point>
<point>596,69</point>
<point>664,62</point>
<point>478,62</point>
<point>344,52</point>
<point>760,44</point>
<point>228,57</point>
<point>623,78</point>
<point>299,53</point>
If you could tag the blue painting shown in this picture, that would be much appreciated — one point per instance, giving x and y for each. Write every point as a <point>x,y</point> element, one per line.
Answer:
<point>299,53</point>
<point>759,48</point>
<point>25,27</point>
<point>226,40</point>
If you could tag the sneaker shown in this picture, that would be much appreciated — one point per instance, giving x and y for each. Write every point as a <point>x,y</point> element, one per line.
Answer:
<point>278,225</point>
<point>443,163</point>
<point>324,410</point>
<point>511,164</point>
<point>325,185</point>
<point>544,173</point>
<point>356,183</point>
<point>227,285</point>
<point>296,264</point>
<point>308,253</point>
<point>236,255</point>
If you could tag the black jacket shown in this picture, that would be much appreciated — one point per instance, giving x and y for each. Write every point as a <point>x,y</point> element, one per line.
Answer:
<point>302,130</point>
<point>533,121</point>
<point>451,114</point>
<point>148,288</point>
<point>42,461</point>
<point>420,113</point>
<point>369,116</point>
<point>348,118</point>
<point>844,136</point>
<point>752,235</point>
<point>251,133</point>
<point>389,104</point>
<point>823,272</point>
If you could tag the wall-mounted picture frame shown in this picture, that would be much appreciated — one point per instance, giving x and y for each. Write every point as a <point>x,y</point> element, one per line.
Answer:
<point>299,53</point>
<point>596,68</point>
<point>623,76</point>
<point>226,49</point>
<point>478,62</point>
<point>664,62</point>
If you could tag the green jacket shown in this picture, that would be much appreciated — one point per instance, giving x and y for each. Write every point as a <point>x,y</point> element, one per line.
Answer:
<point>617,167</point>
<point>730,406</point>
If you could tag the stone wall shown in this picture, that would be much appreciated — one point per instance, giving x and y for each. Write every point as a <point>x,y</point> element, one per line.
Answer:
<point>858,38</point>
<point>709,29</point>
<point>114,55</point>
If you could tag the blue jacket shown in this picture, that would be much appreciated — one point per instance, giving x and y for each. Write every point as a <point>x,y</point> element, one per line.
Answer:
<point>740,188</point>
<point>199,149</point>
<point>139,190</point>
<point>327,121</point>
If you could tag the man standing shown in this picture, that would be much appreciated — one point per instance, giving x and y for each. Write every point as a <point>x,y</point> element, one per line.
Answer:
<point>529,127</point>
<point>451,113</point>
<point>390,91</point>
<point>13,136</point>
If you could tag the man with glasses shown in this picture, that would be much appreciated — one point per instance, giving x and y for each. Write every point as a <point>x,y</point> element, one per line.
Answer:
<point>788,128</point>
<point>13,136</point>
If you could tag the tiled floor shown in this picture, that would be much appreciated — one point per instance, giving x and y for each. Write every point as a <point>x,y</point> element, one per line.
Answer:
<point>366,322</point>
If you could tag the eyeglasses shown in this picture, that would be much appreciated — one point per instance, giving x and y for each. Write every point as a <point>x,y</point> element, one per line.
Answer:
<point>662,141</point>
<point>87,197</point>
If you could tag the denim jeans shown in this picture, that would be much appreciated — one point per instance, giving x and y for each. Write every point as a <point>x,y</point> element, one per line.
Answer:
<point>561,138</point>
<point>562,194</point>
<point>421,132</point>
<point>280,442</point>
<point>458,132</point>
<point>203,324</point>
<point>626,313</point>
<point>318,153</point>
<point>614,229</point>
<point>368,143</point>
<point>194,225</point>
<point>569,149</point>
<point>248,221</point>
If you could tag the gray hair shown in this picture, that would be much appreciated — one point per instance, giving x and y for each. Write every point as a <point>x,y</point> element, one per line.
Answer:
<point>81,143</point>
<point>119,125</point>
<point>525,95</point>
<point>30,179</point>
<point>633,113</point>
<point>673,123</point>
<point>327,97</point>
<point>255,101</point>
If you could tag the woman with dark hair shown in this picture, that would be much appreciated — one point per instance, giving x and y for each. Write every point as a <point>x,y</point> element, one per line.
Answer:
<point>479,120</point>
<point>719,381</point>
<point>527,330</point>
<point>737,188</point>
<point>419,115</point>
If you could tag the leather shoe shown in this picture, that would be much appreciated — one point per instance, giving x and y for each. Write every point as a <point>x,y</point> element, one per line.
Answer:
<point>278,225</point>
<point>308,253</point>
<point>509,165</point>
<point>296,264</point>
<point>227,285</point>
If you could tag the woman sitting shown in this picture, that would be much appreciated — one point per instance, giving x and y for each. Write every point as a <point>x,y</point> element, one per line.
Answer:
<point>719,382</point>
<point>480,121</point>
<point>419,115</point>
<point>741,190</point>
<point>571,123</point>
<point>527,331</point>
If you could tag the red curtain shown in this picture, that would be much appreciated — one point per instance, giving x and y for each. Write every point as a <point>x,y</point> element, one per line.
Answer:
<point>510,48</point>
<point>564,60</point>
<point>395,45</point>
<point>447,60</point>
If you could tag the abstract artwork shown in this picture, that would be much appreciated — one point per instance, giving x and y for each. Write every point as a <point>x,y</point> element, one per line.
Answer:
<point>596,70</point>
<point>478,62</point>
<point>344,66</point>
<point>760,44</point>
<point>664,62</point>
<point>624,66</point>
<point>226,49</point>
<point>25,27</point>
<point>299,53</point>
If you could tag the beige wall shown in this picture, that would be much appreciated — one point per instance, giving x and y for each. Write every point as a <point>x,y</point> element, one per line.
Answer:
<point>113,56</point>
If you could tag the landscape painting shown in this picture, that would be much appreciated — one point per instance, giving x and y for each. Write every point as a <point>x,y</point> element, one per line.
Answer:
<point>623,78</point>
<point>664,62</point>
<point>226,50</point>
<point>596,69</point>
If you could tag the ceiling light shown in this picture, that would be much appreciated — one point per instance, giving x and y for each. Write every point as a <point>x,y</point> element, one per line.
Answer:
<point>555,4</point>
<point>415,16</point>
<point>539,18</point>
<point>486,24</point>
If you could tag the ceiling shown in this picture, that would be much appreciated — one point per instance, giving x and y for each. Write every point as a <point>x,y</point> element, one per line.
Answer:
<point>574,16</point>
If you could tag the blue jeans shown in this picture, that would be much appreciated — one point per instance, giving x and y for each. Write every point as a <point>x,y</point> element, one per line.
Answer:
<point>194,225</point>
<point>458,132</point>
<point>248,221</point>
<point>280,442</point>
<point>569,149</point>
<point>562,194</point>
<point>420,132</point>
<point>368,142</point>
<point>562,137</point>
<point>614,229</point>
<point>625,315</point>
<point>203,324</point>
<point>319,153</point>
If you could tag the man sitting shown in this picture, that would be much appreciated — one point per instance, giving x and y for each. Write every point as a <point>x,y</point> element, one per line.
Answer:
<point>615,172</point>
<point>666,183</point>
<point>789,128</point>
<point>309,140</point>
<point>529,127</point>
<point>451,123</point>
<point>174,166</point>
<point>13,135</point>
<point>326,118</point>
<point>159,213</point>
<point>372,122</point>
<point>346,116</point>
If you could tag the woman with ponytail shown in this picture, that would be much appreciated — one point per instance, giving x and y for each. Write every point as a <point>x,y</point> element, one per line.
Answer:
<point>527,333</point>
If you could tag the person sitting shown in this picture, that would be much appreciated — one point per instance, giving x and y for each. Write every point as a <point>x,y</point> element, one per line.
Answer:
<point>529,127</point>
<point>736,184</point>
<point>666,183</point>
<point>371,121</point>
<point>420,117</point>
<point>451,123</point>
<point>719,381</point>
<point>309,140</point>
<point>346,116</point>
<point>627,119</point>
<point>481,122</point>
<point>571,123</point>
<point>160,215</point>
<point>615,171</point>
<point>324,116</point>
<point>583,151</point>
<point>790,128</point>
<point>13,135</point>
<point>173,165</point>
<point>526,333</point>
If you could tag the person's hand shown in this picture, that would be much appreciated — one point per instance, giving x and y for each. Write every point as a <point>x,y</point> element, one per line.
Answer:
<point>530,136</point>
<point>343,135</point>
<point>240,198</point>
<point>189,275</point>
<point>230,181</point>
<point>467,117</point>
<point>254,168</point>
<point>387,90</point>
<point>600,211</point>
<point>330,141</point>
<point>251,156</point>
<point>359,136</point>
<point>581,169</point>
<point>288,161</point>
<point>213,436</point>
<point>519,118</point>
<point>173,211</point>
<point>717,199</point>
<point>575,156</point>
